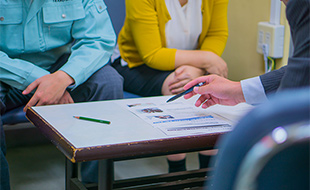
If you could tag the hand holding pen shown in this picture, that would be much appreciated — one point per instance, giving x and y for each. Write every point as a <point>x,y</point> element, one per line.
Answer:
<point>185,92</point>
<point>216,90</point>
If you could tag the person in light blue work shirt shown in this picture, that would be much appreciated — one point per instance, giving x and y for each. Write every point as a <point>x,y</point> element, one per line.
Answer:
<point>54,52</point>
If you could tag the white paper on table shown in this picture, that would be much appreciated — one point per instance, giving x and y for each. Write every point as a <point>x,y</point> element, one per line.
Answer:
<point>178,117</point>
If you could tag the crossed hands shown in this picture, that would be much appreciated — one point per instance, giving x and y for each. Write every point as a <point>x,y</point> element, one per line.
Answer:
<point>183,75</point>
<point>217,90</point>
<point>216,65</point>
<point>50,89</point>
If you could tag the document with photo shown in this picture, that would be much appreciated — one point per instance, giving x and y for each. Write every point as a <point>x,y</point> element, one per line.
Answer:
<point>178,117</point>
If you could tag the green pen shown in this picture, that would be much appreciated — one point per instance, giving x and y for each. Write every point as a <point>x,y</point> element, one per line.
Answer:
<point>91,119</point>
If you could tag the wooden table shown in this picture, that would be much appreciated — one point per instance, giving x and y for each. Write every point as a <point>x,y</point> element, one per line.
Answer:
<point>126,137</point>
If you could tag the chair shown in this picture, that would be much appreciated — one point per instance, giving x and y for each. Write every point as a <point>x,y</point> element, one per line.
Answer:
<point>269,147</point>
<point>116,10</point>
<point>14,116</point>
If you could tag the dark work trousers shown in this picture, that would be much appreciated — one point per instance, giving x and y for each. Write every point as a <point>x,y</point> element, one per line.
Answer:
<point>4,167</point>
<point>104,84</point>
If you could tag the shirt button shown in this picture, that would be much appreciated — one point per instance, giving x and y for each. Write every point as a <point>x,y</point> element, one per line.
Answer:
<point>63,16</point>
<point>100,7</point>
<point>2,18</point>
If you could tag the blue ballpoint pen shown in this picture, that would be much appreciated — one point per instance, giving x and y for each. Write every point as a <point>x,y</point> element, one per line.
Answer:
<point>185,92</point>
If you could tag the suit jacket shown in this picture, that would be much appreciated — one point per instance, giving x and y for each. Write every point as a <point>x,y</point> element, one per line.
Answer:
<point>296,73</point>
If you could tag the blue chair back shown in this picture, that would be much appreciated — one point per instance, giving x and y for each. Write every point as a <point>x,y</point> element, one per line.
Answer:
<point>267,130</point>
<point>116,10</point>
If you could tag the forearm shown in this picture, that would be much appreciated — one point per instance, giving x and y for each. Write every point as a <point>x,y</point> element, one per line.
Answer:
<point>206,60</point>
<point>195,58</point>
<point>18,73</point>
<point>93,47</point>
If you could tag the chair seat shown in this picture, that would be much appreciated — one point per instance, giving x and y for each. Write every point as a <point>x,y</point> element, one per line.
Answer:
<point>14,116</point>
<point>130,95</point>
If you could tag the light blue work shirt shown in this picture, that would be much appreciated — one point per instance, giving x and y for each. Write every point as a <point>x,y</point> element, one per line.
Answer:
<point>33,36</point>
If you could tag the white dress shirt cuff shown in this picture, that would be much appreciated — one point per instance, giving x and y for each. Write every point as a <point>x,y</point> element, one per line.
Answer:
<point>253,91</point>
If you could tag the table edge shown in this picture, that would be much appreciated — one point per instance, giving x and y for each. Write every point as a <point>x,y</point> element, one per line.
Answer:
<point>52,134</point>
<point>122,150</point>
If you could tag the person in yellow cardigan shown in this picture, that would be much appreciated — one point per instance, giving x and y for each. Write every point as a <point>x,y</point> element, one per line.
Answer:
<point>164,44</point>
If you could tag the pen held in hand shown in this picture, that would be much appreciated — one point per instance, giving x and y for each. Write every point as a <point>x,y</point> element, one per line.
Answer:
<point>92,119</point>
<point>185,92</point>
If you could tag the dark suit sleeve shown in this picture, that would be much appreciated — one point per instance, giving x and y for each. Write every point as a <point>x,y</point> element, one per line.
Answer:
<point>271,81</point>
<point>296,74</point>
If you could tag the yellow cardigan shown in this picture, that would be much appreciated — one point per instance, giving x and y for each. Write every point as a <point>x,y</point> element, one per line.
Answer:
<point>142,39</point>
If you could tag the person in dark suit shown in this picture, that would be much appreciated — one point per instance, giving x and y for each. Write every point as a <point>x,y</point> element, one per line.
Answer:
<point>295,74</point>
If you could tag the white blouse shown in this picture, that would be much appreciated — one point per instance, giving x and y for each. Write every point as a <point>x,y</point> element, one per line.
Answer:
<point>184,28</point>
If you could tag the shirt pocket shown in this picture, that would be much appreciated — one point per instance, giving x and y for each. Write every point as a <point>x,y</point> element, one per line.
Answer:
<point>11,17</point>
<point>58,20</point>
<point>100,6</point>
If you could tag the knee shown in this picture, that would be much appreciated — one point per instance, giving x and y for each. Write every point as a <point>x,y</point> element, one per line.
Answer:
<point>105,84</point>
<point>113,80</point>
<point>109,83</point>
